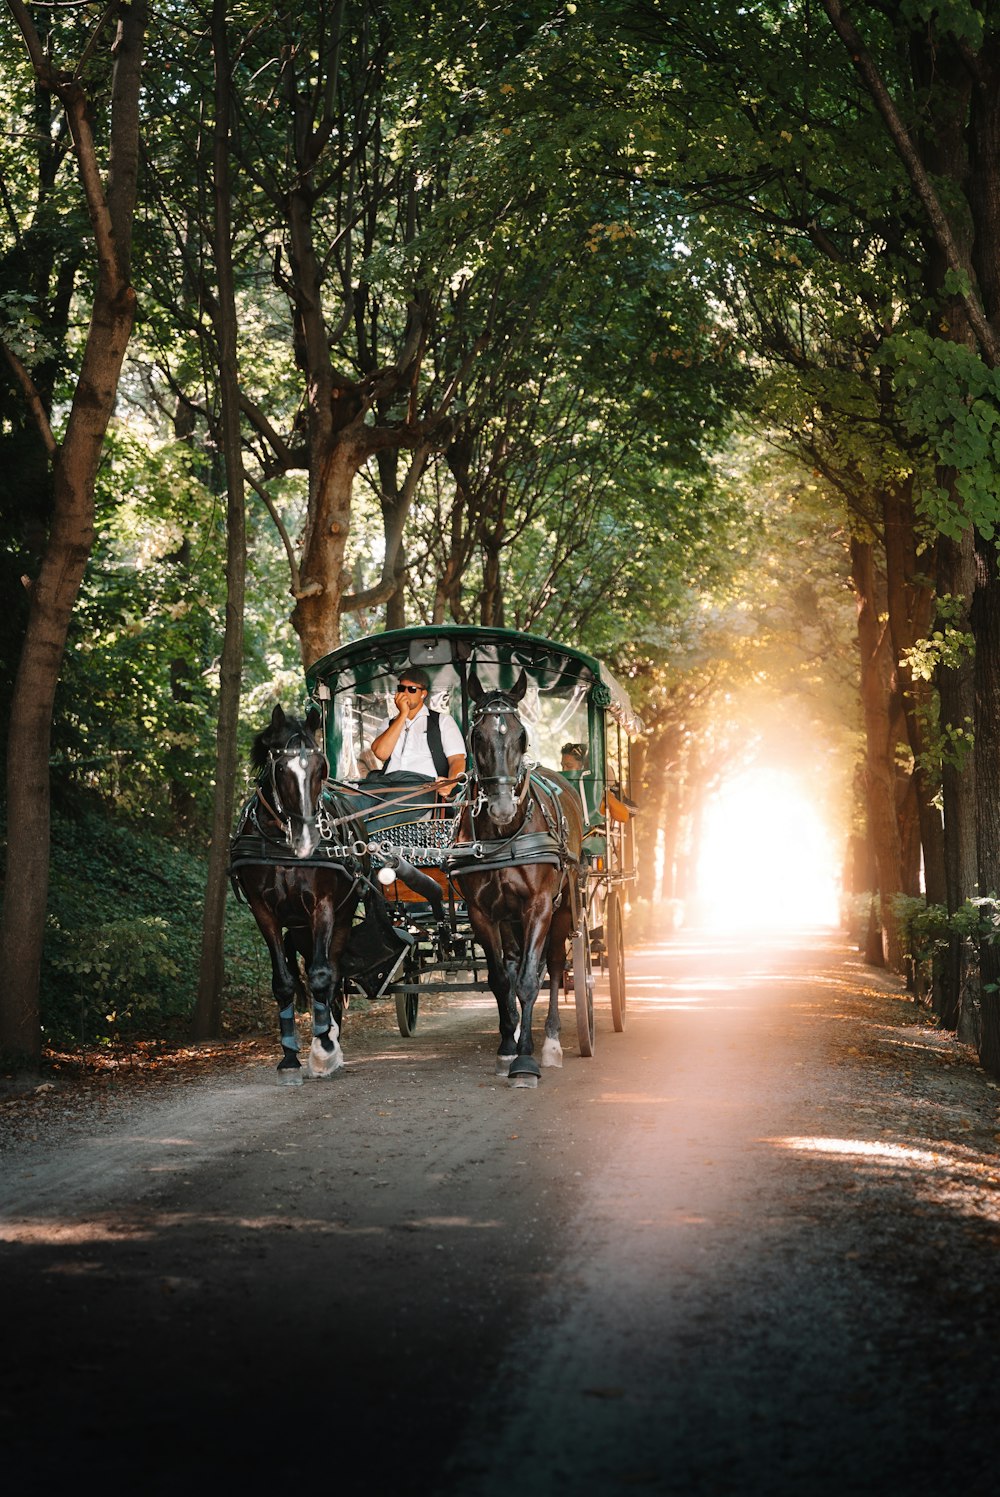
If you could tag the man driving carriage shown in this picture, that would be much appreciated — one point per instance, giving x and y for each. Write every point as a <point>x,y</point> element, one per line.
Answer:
<point>418,740</point>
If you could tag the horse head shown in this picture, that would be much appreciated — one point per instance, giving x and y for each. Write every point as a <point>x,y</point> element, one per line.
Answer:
<point>291,772</point>
<point>497,743</point>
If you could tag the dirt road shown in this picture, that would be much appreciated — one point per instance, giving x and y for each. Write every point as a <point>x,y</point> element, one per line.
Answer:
<point>749,1248</point>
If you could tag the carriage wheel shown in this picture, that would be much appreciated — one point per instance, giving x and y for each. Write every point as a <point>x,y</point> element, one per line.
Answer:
<point>583,987</point>
<point>407,1004</point>
<point>614,936</point>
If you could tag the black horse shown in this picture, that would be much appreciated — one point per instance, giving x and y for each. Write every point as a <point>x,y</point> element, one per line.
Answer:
<point>302,894</point>
<point>522,889</point>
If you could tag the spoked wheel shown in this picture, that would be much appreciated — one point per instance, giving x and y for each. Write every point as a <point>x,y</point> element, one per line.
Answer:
<point>583,987</point>
<point>614,937</point>
<point>407,1004</point>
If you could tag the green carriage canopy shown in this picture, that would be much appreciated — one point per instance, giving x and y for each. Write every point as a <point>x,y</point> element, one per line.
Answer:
<point>571,694</point>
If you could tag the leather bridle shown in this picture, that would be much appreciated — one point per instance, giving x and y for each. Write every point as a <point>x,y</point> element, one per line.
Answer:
<point>497,705</point>
<point>304,751</point>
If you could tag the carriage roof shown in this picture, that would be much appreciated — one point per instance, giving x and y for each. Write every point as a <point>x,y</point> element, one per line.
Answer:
<point>463,644</point>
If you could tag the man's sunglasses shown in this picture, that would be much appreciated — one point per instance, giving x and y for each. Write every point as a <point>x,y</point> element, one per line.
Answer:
<point>405,686</point>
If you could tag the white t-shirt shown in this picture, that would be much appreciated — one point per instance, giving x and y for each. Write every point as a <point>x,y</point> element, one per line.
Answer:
<point>411,751</point>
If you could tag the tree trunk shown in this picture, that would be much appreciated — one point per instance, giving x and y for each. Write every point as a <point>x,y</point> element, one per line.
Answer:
<point>986,624</point>
<point>956,688</point>
<point>71,536</point>
<point>910,601</point>
<point>207,1020</point>
<point>880,742</point>
<point>491,608</point>
<point>316,615</point>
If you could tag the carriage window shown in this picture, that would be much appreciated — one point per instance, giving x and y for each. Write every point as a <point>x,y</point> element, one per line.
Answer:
<point>552,717</point>
<point>341,742</point>
<point>613,760</point>
<point>358,717</point>
<point>554,710</point>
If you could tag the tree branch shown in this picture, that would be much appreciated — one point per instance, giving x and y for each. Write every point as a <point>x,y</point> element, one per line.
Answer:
<point>872,79</point>
<point>286,540</point>
<point>34,400</point>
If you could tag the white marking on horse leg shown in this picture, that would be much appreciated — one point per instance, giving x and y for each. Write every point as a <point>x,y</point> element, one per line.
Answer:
<point>503,1064</point>
<point>552,1054</point>
<point>323,1063</point>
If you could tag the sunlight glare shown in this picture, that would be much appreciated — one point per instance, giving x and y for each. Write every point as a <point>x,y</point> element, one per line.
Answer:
<point>766,858</point>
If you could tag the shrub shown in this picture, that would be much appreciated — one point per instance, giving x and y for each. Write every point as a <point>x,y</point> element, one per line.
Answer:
<point>123,938</point>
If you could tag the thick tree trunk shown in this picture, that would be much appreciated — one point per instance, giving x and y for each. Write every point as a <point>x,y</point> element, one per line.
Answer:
<point>954,1003</point>
<point>207,1019</point>
<point>910,600</point>
<point>71,536</point>
<point>316,615</point>
<point>986,624</point>
<point>880,743</point>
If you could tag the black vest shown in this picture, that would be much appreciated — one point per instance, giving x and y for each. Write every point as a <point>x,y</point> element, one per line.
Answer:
<point>434,743</point>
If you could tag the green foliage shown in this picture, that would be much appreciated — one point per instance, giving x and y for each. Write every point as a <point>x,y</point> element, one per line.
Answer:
<point>926,929</point>
<point>961,18</point>
<point>950,404</point>
<point>945,646</point>
<point>135,720</point>
<point>114,970</point>
<point>124,934</point>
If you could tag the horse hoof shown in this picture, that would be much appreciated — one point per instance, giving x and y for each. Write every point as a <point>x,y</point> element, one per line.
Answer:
<point>289,1076</point>
<point>324,1073</point>
<point>504,1063</point>
<point>526,1079</point>
<point>322,1063</point>
<point>552,1053</point>
<point>524,1065</point>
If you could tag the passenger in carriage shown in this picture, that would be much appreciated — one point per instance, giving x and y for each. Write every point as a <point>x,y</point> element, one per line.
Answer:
<point>574,758</point>
<point>573,763</point>
<point>417,740</point>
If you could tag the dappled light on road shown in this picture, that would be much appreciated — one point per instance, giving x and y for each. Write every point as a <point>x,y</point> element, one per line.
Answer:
<point>767,861</point>
<point>864,1148</point>
<point>954,1179</point>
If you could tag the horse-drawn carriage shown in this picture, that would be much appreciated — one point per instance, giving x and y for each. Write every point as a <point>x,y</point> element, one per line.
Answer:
<point>485,887</point>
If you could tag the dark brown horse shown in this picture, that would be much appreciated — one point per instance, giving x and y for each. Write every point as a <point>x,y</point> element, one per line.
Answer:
<point>302,896</point>
<point>522,889</point>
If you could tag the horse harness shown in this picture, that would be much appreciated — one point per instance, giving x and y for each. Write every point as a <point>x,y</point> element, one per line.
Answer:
<point>302,751</point>
<point>253,843</point>
<point>495,854</point>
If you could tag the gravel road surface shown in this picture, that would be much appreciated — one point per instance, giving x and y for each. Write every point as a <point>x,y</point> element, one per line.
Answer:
<point>750,1248</point>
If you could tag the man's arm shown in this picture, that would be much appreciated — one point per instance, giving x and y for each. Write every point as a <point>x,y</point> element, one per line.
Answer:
<point>383,745</point>
<point>456,766</point>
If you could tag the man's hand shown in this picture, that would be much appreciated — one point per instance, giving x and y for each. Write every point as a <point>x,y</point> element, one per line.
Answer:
<point>408,704</point>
